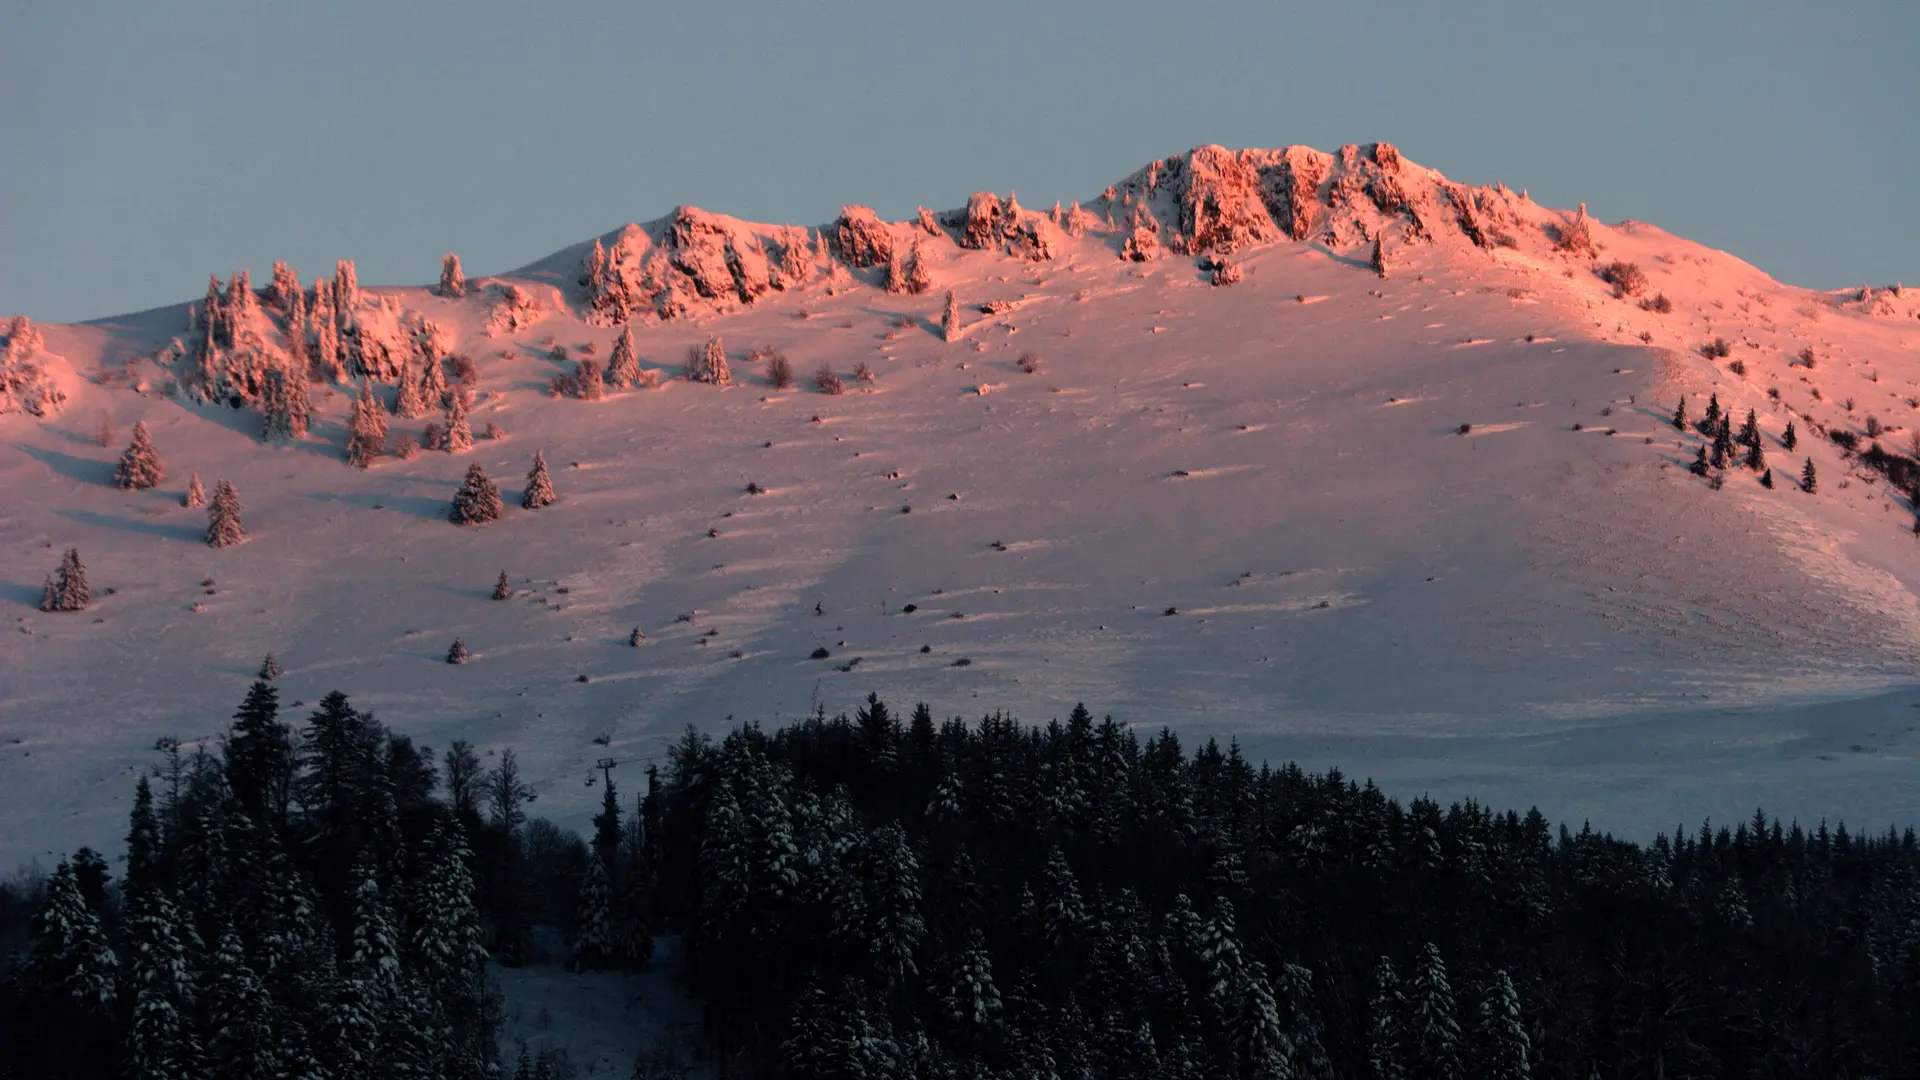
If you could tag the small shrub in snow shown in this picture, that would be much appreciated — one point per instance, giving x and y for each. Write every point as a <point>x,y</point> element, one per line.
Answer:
<point>821,653</point>
<point>434,437</point>
<point>223,517</point>
<point>825,381</point>
<point>1575,236</point>
<point>140,466</point>
<point>477,501</point>
<point>495,432</point>
<point>1807,358</point>
<point>779,370</point>
<point>539,491</point>
<point>1626,278</point>
<point>1029,362</point>
<point>587,376</point>
<point>1738,367</point>
<point>1467,429</point>
<point>1659,304</point>
<point>465,373</point>
<point>636,638</point>
<point>863,372</point>
<point>67,589</point>
<point>502,590</point>
<point>457,652</point>
<point>563,386</point>
<point>1717,349</point>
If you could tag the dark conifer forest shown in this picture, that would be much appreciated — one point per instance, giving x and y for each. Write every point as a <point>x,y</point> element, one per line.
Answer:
<point>872,896</point>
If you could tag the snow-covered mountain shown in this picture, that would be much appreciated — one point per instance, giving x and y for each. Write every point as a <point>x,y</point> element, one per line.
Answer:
<point>1325,452</point>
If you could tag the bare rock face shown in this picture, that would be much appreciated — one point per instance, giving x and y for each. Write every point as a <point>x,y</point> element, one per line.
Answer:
<point>985,221</point>
<point>1031,238</point>
<point>698,243</point>
<point>1221,209</point>
<point>1293,193</point>
<point>861,239</point>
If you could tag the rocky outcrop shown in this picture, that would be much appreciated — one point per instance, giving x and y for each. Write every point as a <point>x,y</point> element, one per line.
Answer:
<point>984,222</point>
<point>861,239</point>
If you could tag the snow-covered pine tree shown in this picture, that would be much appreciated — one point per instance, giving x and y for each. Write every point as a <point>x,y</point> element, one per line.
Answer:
<point>67,589</point>
<point>709,365</point>
<point>593,269</point>
<point>971,1000</point>
<point>373,958</point>
<point>1379,260</point>
<point>1503,1044</point>
<point>70,958</point>
<point>919,280</point>
<point>1386,1037</point>
<point>161,1042</point>
<point>223,517</point>
<point>896,272</point>
<point>539,490</point>
<point>477,501</point>
<point>623,367</point>
<point>407,400</point>
<point>1680,414</point>
<point>502,590</point>
<point>453,281</point>
<point>586,376</point>
<point>346,290</point>
<point>459,437</point>
<point>284,291</point>
<point>140,467</point>
<point>950,319</point>
<point>269,669</point>
<point>593,941</point>
<point>284,406</point>
<point>196,496</point>
<point>367,430</point>
<point>457,652</point>
<point>445,946</point>
<point>241,1040</point>
<point>328,362</point>
<point>1808,481</point>
<point>1066,914</point>
<point>433,383</point>
<point>1435,1034</point>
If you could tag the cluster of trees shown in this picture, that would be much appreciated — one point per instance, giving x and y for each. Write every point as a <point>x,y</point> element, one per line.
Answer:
<point>866,898</point>
<point>871,897</point>
<point>1721,450</point>
<point>293,903</point>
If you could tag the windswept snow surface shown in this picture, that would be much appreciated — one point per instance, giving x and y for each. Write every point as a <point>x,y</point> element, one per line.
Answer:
<point>1525,614</point>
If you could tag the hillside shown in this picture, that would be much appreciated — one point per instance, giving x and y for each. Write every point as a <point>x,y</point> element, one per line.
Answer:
<point>1244,510</point>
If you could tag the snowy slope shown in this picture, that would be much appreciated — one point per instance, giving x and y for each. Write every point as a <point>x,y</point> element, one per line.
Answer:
<point>1526,613</point>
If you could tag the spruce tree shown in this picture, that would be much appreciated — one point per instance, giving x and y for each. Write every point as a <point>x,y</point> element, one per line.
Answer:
<point>593,940</point>
<point>408,401</point>
<point>196,495</point>
<point>1766,479</point>
<point>623,367</point>
<point>1386,1038</point>
<point>1756,457</point>
<point>477,501</point>
<point>161,1042</point>
<point>457,652</point>
<point>284,406</point>
<point>367,431</point>
<point>1379,260</point>
<point>919,280</point>
<point>710,364</point>
<point>897,272</point>
<point>241,1042</point>
<point>1503,1043</point>
<point>1700,463</point>
<point>453,282</point>
<point>1711,421</point>
<point>950,319</point>
<point>502,590</point>
<point>539,490</point>
<point>459,434</point>
<point>1750,429</point>
<point>70,959</point>
<point>1435,1033</point>
<point>67,589</point>
<point>1680,414</point>
<point>259,757</point>
<point>1789,439</point>
<point>223,517</point>
<point>140,466</point>
<point>433,383</point>
<point>1808,481</point>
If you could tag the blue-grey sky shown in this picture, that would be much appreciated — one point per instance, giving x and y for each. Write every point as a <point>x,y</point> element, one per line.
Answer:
<point>148,145</point>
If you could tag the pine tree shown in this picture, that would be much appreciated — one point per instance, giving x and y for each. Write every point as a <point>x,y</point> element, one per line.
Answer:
<point>1712,419</point>
<point>1503,1040</point>
<point>161,1042</point>
<point>539,490</point>
<point>1680,414</point>
<point>284,406</point>
<point>1699,466</point>
<point>971,999</point>
<point>593,942</point>
<point>433,383</point>
<point>593,271</point>
<point>623,367</point>
<point>1808,481</point>
<point>373,957</point>
<point>223,517</point>
<point>897,272</point>
<point>636,638</point>
<point>140,466</point>
<point>502,590</point>
<point>457,652</point>
<point>710,364</point>
<point>459,433</point>
<point>445,944</point>
<point>143,843</point>
<point>269,669</point>
<point>259,757</point>
<point>241,1043</point>
<point>1750,430</point>
<point>453,282</point>
<point>1756,457</point>
<point>196,495</point>
<point>1766,479</point>
<point>586,376</point>
<point>70,957</point>
<point>919,280</point>
<point>1386,1040</point>
<point>408,402</point>
<point>1789,439</point>
<point>1379,260</point>
<point>1722,447</point>
<point>950,319</point>
<point>67,589</point>
<point>367,431</point>
<point>1436,1033</point>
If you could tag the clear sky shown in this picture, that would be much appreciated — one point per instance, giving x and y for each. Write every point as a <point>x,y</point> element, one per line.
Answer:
<point>148,145</point>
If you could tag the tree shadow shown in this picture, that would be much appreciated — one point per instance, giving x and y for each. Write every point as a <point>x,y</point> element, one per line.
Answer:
<point>190,533</point>
<point>29,595</point>
<point>86,470</point>
<point>414,506</point>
